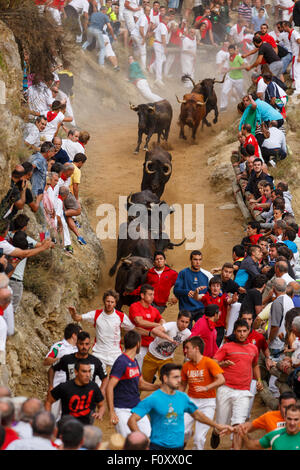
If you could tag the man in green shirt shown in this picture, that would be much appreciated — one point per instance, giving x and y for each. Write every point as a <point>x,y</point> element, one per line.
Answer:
<point>287,438</point>
<point>234,82</point>
<point>138,78</point>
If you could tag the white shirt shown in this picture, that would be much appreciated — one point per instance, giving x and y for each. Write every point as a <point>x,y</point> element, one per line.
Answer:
<point>3,334</point>
<point>160,31</point>
<point>23,429</point>
<point>51,127</point>
<point>32,135</point>
<point>108,334</point>
<point>34,443</point>
<point>58,350</point>
<point>261,87</point>
<point>81,6</point>
<point>286,14</point>
<point>142,22</point>
<point>40,98</point>
<point>276,139</point>
<point>155,19</point>
<point>7,247</point>
<point>189,45</point>
<point>163,349</point>
<point>20,268</point>
<point>294,44</point>
<point>237,37</point>
<point>222,58</point>
<point>72,148</point>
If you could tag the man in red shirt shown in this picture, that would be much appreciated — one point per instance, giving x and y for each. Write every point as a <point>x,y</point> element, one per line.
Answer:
<point>205,327</point>
<point>239,361</point>
<point>7,413</point>
<point>215,296</point>
<point>250,138</point>
<point>162,278</point>
<point>143,314</point>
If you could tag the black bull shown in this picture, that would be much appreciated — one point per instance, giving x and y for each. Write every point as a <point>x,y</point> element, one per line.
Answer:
<point>157,170</point>
<point>154,118</point>
<point>206,88</point>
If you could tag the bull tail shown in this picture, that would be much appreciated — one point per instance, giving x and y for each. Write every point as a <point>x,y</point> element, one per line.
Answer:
<point>186,77</point>
<point>113,269</point>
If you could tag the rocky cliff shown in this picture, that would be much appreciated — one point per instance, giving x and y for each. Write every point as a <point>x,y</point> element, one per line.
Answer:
<point>53,280</point>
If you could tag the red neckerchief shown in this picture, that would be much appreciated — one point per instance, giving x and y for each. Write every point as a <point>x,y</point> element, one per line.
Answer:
<point>1,311</point>
<point>148,19</point>
<point>52,186</point>
<point>290,33</point>
<point>51,115</point>
<point>155,13</point>
<point>59,197</point>
<point>239,28</point>
<point>2,239</point>
<point>232,59</point>
<point>211,324</point>
<point>188,36</point>
<point>64,177</point>
<point>81,144</point>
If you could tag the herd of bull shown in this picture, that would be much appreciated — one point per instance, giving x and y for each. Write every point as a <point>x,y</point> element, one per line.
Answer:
<point>143,233</point>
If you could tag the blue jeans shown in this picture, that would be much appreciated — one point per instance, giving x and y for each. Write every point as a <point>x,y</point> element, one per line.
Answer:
<point>97,34</point>
<point>286,60</point>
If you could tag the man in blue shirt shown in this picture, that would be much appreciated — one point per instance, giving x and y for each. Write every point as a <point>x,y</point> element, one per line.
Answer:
<point>166,408</point>
<point>39,162</point>
<point>61,155</point>
<point>125,384</point>
<point>95,32</point>
<point>188,280</point>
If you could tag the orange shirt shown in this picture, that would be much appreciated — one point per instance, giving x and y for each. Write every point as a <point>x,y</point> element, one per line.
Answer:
<point>269,421</point>
<point>201,374</point>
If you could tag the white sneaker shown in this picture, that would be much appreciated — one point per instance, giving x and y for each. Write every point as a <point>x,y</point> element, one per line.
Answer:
<point>272,163</point>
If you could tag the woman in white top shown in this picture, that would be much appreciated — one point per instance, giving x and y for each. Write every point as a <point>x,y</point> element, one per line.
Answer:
<point>55,118</point>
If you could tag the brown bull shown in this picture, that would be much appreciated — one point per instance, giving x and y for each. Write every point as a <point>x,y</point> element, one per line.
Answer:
<point>192,111</point>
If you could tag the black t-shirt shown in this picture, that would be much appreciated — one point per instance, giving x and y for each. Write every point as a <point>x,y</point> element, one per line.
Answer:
<point>252,299</point>
<point>267,51</point>
<point>296,13</point>
<point>229,287</point>
<point>78,400</point>
<point>67,364</point>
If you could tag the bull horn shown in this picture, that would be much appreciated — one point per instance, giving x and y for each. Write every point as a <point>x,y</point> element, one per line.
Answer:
<point>180,101</point>
<point>129,201</point>
<point>127,261</point>
<point>151,108</point>
<point>200,103</point>
<point>171,244</point>
<point>222,81</point>
<point>169,169</point>
<point>132,106</point>
<point>125,257</point>
<point>150,172</point>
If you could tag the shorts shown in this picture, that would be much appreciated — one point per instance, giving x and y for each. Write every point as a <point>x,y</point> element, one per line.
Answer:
<point>232,405</point>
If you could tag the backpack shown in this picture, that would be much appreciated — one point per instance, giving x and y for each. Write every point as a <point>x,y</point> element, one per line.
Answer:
<point>294,381</point>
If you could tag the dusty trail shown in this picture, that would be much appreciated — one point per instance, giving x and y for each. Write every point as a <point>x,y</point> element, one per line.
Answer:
<point>112,170</point>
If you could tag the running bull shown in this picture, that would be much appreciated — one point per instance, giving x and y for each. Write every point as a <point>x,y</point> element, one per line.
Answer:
<point>206,88</point>
<point>157,170</point>
<point>154,118</point>
<point>192,112</point>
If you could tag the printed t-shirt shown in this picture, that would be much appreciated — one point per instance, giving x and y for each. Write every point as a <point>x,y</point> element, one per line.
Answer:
<point>163,349</point>
<point>244,356</point>
<point>269,421</point>
<point>166,414</point>
<point>67,365</point>
<point>78,400</point>
<point>150,314</point>
<point>201,374</point>
<point>126,392</point>
<point>280,440</point>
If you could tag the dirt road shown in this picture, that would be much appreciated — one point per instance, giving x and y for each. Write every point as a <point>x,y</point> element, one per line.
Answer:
<point>112,170</point>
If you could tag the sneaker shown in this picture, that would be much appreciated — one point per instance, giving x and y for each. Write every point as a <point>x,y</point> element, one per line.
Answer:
<point>214,440</point>
<point>272,163</point>
<point>117,68</point>
<point>81,240</point>
<point>77,224</point>
<point>69,249</point>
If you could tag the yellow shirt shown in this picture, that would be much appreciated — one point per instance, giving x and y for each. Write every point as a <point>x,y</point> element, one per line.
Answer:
<point>75,178</point>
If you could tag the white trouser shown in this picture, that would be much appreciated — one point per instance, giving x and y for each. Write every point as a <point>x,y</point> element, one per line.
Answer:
<point>295,73</point>
<point>140,356</point>
<point>253,391</point>
<point>3,336</point>
<point>233,316</point>
<point>232,405</point>
<point>67,238</point>
<point>206,406</point>
<point>56,15</point>
<point>160,58</point>
<point>56,410</point>
<point>187,66</point>
<point>228,86</point>
<point>129,19</point>
<point>9,317</point>
<point>140,49</point>
<point>168,63</point>
<point>122,427</point>
<point>144,88</point>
